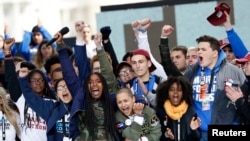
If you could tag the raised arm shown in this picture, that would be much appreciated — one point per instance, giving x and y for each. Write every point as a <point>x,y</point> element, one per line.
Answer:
<point>108,47</point>
<point>106,69</point>
<point>140,29</point>
<point>81,58</point>
<point>24,46</point>
<point>10,71</point>
<point>238,47</point>
<point>36,102</point>
<point>168,65</point>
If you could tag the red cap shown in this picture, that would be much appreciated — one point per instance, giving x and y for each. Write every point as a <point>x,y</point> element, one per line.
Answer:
<point>218,17</point>
<point>146,54</point>
<point>244,60</point>
<point>224,42</point>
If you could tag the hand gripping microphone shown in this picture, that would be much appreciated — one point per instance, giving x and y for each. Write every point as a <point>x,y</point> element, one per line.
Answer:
<point>63,31</point>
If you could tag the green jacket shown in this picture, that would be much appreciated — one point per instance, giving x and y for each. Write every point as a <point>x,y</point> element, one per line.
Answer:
<point>151,128</point>
<point>99,130</point>
<point>107,71</point>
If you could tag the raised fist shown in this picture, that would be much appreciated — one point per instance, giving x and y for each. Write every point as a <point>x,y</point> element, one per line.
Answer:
<point>106,30</point>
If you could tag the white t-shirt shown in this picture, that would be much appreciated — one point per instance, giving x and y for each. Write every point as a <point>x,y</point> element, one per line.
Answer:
<point>37,130</point>
<point>91,49</point>
<point>10,132</point>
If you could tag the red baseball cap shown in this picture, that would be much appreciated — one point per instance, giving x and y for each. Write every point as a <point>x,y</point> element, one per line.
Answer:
<point>224,42</point>
<point>146,54</point>
<point>244,60</point>
<point>218,17</point>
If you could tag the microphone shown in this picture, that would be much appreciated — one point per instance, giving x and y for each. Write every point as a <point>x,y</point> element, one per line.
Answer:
<point>63,31</point>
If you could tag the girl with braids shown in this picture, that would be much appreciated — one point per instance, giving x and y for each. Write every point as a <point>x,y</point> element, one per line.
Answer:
<point>97,121</point>
<point>92,112</point>
<point>10,126</point>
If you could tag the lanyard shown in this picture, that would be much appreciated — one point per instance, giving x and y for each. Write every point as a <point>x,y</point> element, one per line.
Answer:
<point>3,128</point>
<point>202,78</point>
<point>149,85</point>
<point>64,127</point>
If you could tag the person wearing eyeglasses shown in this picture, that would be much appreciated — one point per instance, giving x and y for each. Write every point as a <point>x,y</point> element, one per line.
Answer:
<point>56,114</point>
<point>33,126</point>
<point>125,74</point>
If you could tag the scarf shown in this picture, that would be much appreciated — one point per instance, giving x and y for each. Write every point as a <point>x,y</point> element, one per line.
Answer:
<point>175,112</point>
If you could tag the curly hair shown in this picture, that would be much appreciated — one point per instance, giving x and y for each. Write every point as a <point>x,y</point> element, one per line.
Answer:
<point>162,92</point>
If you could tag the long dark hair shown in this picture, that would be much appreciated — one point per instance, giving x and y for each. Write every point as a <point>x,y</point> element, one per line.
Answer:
<point>163,88</point>
<point>109,118</point>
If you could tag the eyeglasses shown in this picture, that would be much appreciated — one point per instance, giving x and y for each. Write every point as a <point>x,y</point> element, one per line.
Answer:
<point>36,80</point>
<point>61,88</point>
<point>125,72</point>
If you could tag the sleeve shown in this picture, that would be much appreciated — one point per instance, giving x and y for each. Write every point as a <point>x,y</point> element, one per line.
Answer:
<point>24,46</point>
<point>133,132</point>
<point>46,35</point>
<point>72,80</point>
<point>81,60</point>
<point>11,77</point>
<point>144,44</point>
<point>107,71</point>
<point>108,47</point>
<point>244,107</point>
<point>237,45</point>
<point>168,65</point>
<point>151,99</point>
<point>154,123</point>
<point>162,117</point>
<point>35,102</point>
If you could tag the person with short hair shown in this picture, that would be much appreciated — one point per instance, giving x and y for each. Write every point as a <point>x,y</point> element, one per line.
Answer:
<point>208,78</point>
<point>134,120</point>
<point>192,56</point>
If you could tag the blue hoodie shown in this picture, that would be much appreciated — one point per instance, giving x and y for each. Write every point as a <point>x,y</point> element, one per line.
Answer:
<point>203,113</point>
<point>24,46</point>
<point>52,112</point>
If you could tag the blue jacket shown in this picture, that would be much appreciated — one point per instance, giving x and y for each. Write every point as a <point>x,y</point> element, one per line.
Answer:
<point>221,111</point>
<point>24,47</point>
<point>238,47</point>
<point>13,48</point>
<point>74,83</point>
<point>49,110</point>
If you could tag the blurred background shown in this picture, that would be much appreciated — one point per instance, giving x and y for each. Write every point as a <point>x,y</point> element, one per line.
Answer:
<point>188,17</point>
